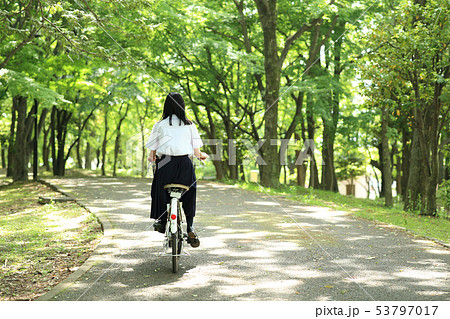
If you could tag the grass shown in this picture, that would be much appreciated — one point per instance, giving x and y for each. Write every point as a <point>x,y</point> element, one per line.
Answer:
<point>40,245</point>
<point>81,172</point>
<point>434,227</point>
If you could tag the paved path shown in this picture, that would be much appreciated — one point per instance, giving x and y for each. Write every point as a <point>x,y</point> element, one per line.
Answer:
<point>253,247</point>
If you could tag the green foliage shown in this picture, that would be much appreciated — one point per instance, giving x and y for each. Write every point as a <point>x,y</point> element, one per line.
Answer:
<point>17,84</point>
<point>350,164</point>
<point>443,198</point>
<point>103,56</point>
<point>406,52</point>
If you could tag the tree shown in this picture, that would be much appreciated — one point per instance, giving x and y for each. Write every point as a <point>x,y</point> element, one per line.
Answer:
<point>56,44</point>
<point>22,89</point>
<point>387,173</point>
<point>409,65</point>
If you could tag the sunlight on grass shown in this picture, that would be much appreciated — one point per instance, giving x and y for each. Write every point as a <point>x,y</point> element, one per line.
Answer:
<point>35,239</point>
<point>434,227</point>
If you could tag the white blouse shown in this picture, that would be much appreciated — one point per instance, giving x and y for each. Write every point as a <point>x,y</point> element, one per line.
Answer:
<point>174,139</point>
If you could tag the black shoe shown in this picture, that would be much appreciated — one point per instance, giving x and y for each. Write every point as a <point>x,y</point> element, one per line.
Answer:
<point>160,228</point>
<point>193,239</point>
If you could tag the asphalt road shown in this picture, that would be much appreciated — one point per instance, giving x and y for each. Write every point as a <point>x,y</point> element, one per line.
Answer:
<point>253,247</point>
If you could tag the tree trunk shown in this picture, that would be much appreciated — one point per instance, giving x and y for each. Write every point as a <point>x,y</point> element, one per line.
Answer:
<point>268,17</point>
<point>301,173</point>
<point>314,172</point>
<point>79,157</point>
<point>35,141</point>
<point>380,166</point>
<point>443,160</point>
<point>46,150</point>
<point>428,123</point>
<point>329,180</point>
<point>433,138</point>
<point>61,118</point>
<point>97,152</point>
<point>20,171</point>
<point>386,157</point>
<point>117,142</point>
<point>301,169</point>
<point>53,136</point>
<point>29,125</point>
<point>3,154</point>
<point>12,133</point>
<point>242,173</point>
<point>398,177</point>
<point>412,198</point>
<point>78,143</point>
<point>218,165</point>
<point>116,152</point>
<point>406,155</point>
<point>422,193</point>
<point>105,134</point>
<point>87,156</point>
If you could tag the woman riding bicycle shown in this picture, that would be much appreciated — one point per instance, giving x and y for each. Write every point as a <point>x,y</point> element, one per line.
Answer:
<point>172,141</point>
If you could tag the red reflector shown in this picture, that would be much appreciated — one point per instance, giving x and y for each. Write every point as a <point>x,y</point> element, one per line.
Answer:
<point>173,217</point>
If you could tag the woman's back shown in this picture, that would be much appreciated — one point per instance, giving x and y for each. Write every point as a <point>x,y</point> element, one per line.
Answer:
<point>176,139</point>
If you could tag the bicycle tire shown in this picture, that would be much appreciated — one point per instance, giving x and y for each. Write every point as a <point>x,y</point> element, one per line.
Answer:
<point>179,232</point>
<point>180,241</point>
<point>175,253</point>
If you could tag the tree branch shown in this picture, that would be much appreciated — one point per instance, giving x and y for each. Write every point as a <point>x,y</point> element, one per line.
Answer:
<point>247,43</point>
<point>19,46</point>
<point>292,38</point>
<point>330,29</point>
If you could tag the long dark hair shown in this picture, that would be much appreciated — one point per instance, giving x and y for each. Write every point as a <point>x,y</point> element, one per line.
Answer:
<point>174,104</point>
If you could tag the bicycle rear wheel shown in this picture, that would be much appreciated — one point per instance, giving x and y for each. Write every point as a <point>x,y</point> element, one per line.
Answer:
<point>177,246</point>
<point>175,253</point>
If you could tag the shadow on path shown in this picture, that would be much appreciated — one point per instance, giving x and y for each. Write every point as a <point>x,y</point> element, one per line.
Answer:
<point>253,247</point>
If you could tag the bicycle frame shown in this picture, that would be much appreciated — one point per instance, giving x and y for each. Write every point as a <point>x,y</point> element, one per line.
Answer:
<point>173,209</point>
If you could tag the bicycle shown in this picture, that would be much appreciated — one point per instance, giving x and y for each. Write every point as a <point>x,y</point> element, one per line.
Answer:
<point>174,238</point>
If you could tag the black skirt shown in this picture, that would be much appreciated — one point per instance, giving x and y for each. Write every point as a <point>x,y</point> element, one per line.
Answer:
<point>173,169</point>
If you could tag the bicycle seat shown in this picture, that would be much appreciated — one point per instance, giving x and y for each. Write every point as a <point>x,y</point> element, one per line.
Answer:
<point>175,187</point>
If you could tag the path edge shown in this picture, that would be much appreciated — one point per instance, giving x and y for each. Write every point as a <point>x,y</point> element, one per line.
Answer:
<point>93,258</point>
